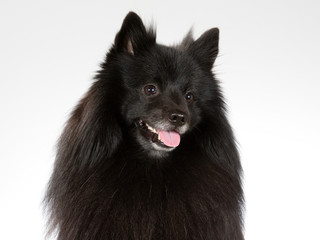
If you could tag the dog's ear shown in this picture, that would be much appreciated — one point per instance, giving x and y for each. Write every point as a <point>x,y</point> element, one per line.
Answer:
<point>205,49</point>
<point>133,36</point>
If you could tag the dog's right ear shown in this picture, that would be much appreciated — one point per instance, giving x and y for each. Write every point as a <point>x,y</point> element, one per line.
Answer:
<point>205,49</point>
<point>133,37</point>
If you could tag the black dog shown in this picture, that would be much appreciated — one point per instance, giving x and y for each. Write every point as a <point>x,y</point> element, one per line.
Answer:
<point>148,152</point>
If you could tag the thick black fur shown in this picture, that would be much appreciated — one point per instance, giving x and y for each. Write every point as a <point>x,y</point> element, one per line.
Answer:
<point>107,184</point>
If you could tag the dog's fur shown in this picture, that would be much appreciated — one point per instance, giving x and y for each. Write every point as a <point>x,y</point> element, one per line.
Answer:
<point>110,181</point>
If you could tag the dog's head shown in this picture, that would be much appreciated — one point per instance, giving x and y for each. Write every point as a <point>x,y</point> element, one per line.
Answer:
<point>163,91</point>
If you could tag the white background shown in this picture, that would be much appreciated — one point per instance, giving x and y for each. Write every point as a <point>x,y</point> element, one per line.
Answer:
<point>268,65</point>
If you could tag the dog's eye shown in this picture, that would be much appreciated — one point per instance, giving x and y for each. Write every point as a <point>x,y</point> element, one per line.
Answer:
<point>189,97</point>
<point>150,90</point>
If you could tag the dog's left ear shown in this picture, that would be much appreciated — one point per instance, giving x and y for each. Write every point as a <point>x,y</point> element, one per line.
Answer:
<point>133,36</point>
<point>205,49</point>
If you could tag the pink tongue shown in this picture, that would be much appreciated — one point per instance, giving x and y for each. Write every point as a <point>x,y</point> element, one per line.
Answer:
<point>169,138</point>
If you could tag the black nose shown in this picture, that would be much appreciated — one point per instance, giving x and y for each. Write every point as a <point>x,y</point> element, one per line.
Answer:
<point>177,118</point>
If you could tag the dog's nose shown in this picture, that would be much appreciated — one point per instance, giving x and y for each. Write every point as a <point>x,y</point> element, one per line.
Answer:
<point>177,118</point>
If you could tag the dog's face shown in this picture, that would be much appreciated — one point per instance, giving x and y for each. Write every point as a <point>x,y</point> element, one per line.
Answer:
<point>165,89</point>
<point>161,99</point>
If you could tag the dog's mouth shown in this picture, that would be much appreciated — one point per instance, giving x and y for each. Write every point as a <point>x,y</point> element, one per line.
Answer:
<point>164,138</point>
